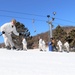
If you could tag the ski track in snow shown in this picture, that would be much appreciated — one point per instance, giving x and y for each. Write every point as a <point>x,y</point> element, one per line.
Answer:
<point>34,62</point>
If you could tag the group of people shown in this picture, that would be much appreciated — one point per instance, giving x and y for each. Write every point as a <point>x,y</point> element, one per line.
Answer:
<point>7,30</point>
<point>65,45</point>
<point>60,46</point>
<point>9,27</point>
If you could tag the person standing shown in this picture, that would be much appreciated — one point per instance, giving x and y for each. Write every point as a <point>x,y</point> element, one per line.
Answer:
<point>43,45</point>
<point>66,44</point>
<point>7,30</point>
<point>53,44</point>
<point>40,44</point>
<point>59,44</point>
<point>24,42</point>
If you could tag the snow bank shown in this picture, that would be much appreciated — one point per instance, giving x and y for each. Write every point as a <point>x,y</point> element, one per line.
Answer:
<point>34,62</point>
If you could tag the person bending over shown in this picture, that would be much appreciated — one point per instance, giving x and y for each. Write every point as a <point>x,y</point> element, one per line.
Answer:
<point>7,30</point>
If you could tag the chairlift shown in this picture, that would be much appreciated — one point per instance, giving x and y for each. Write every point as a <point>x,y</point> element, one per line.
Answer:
<point>33,25</point>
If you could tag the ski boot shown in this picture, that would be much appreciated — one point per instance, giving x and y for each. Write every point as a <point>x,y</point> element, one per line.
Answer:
<point>8,47</point>
<point>13,47</point>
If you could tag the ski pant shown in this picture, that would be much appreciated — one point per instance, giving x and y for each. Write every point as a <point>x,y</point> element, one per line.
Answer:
<point>67,48</point>
<point>44,47</point>
<point>8,40</point>
<point>60,48</point>
<point>54,48</point>
<point>25,47</point>
<point>40,46</point>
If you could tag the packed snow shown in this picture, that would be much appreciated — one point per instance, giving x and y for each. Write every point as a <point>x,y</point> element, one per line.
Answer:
<point>35,62</point>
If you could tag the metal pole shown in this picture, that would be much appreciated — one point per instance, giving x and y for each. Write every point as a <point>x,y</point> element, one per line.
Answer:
<point>50,25</point>
<point>49,28</point>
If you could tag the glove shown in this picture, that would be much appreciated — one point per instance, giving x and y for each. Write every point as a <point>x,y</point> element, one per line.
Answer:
<point>3,32</point>
<point>20,34</point>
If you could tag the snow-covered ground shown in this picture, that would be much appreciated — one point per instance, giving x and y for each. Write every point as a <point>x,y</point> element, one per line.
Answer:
<point>34,62</point>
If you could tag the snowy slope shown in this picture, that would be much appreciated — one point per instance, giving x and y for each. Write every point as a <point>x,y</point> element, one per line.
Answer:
<point>34,62</point>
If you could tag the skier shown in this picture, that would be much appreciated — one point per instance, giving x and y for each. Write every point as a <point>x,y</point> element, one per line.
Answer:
<point>59,44</point>
<point>7,30</point>
<point>43,45</point>
<point>40,44</point>
<point>24,42</point>
<point>66,44</point>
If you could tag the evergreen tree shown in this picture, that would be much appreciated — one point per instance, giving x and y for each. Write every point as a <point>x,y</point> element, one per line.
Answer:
<point>72,37</point>
<point>59,33</point>
<point>18,39</point>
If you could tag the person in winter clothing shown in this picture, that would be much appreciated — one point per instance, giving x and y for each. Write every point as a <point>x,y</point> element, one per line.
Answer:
<point>43,45</point>
<point>53,44</point>
<point>66,44</point>
<point>24,42</point>
<point>7,30</point>
<point>59,44</point>
<point>40,44</point>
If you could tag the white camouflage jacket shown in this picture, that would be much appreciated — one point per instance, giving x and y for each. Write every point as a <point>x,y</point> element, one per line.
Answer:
<point>8,28</point>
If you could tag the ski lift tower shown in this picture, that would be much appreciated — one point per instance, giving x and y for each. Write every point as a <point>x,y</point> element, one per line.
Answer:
<point>50,24</point>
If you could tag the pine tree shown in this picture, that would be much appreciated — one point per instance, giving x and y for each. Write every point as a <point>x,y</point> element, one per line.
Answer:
<point>18,39</point>
<point>72,37</point>
<point>59,33</point>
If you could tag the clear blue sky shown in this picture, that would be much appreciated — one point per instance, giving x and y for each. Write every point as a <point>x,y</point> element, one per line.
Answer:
<point>26,10</point>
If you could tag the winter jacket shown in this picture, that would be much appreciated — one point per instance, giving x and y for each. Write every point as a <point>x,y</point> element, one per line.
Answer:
<point>43,42</point>
<point>9,28</point>
<point>66,44</point>
<point>59,43</point>
<point>24,42</point>
<point>40,42</point>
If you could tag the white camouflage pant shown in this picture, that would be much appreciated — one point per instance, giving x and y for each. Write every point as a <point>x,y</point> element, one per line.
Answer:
<point>8,40</point>
<point>40,46</point>
<point>25,47</point>
<point>44,47</point>
<point>60,48</point>
<point>67,48</point>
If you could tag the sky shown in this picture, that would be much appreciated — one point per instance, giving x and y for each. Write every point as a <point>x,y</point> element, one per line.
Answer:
<point>24,11</point>
<point>35,62</point>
